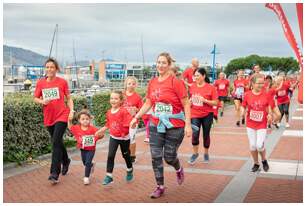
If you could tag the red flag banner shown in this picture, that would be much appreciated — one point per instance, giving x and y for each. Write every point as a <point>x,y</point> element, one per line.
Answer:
<point>276,7</point>
<point>299,11</point>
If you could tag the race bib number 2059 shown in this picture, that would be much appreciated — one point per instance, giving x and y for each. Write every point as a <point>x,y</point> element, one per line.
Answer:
<point>51,93</point>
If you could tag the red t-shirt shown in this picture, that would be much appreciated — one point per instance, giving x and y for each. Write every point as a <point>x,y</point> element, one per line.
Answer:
<point>239,88</point>
<point>134,100</point>
<point>222,87</point>
<point>86,139</point>
<point>188,74</point>
<point>198,108</point>
<point>55,90</point>
<point>257,109</point>
<point>166,97</point>
<point>282,94</point>
<point>118,123</point>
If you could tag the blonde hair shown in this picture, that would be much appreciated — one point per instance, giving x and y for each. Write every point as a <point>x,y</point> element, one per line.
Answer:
<point>170,60</point>
<point>129,78</point>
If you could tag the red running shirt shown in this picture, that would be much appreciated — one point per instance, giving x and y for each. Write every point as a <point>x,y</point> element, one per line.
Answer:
<point>257,109</point>
<point>188,74</point>
<point>134,100</point>
<point>282,94</point>
<point>86,139</point>
<point>55,91</point>
<point>222,87</point>
<point>166,97</point>
<point>198,108</point>
<point>239,85</point>
<point>118,123</point>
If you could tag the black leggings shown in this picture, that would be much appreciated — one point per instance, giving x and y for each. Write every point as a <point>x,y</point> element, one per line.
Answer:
<point>206,123</point>
<point>112,149</point>
<point>284,109</point>
<point>59,152</point>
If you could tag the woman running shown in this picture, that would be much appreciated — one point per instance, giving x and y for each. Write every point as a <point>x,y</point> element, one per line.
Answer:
<point>260,111</point>
<point>203,97</point>
<point>240,86</point>
<point>170,121</point>
<point>51,92</point>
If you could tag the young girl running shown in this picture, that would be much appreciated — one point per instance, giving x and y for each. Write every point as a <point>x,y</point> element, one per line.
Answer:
<point>117,121</point>
<point>132,103</point>
<point>240,85</point>
<point>203,97</point>
<point>260,110</point>
<point>85,135</point>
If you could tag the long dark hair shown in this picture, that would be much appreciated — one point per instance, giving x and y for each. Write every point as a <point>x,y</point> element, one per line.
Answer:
<point>203,72</point>
<point>54,62</point>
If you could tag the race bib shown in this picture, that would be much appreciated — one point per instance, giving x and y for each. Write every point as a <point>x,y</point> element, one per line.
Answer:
<point>88,141</point>
<point>162,108</point>
<point>239,92</point>
<point>196,100</point>
<point>256,116</point>
<point>51,93</point>
<point>221,86</point>
<point>281,93</point>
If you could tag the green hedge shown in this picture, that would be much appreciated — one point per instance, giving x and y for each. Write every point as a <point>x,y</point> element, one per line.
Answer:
<point>24,133</point>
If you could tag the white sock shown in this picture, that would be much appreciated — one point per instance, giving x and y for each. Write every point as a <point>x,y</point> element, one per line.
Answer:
<point>109,174</point>
<point>129,169</point>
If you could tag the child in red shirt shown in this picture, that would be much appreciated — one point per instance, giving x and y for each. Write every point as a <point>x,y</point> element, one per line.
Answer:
<point>132,102</point>
<point>117,121</point>
<point>260,110</point>
<point>85,135</point>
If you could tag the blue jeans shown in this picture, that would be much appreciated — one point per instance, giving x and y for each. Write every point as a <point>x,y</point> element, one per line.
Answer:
<point>164,145</point>
<point>87,156</point>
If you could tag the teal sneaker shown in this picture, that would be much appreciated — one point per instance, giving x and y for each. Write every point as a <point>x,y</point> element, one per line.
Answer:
<point>107,180</point>
<point>129,176</point>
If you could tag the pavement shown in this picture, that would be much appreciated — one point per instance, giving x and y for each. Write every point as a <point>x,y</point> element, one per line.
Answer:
<point>225,179</point>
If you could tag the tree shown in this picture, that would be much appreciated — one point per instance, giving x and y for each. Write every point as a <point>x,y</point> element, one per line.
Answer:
<point>283,64</point>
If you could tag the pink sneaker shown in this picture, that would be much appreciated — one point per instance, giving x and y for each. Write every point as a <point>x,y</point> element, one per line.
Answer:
<point>180,176</point>
<point>157,192</point>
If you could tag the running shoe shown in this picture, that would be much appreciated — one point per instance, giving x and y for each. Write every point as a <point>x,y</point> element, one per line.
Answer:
<point>65,167</point>
<point>93,167</point>
<point>276,126</point>
<point>180,176</point>
<point>243,121</point>
<point>255,168</point>
<point>269,126</point>
<point>129,176</point>
<point>287,125</point>
<point>158,192</point>
<point>206,158</point>
<point>86,181</point>
<point>238,123</point>
<point>265,165</point>
<point>53,179</point>
<point>107,180</point>
<point>193,158</point>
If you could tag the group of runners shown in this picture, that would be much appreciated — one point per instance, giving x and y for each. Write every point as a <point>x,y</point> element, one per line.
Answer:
<point>175,107</point>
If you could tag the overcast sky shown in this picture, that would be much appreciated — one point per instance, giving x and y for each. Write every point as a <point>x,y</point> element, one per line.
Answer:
<point>184,30</point>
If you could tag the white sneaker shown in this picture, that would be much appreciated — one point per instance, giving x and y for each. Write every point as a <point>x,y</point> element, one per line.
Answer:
<point>287,125</point>
<point>146,139</point>
<point>93,167</point>
<point>86,180</point>
<point>278,124</point>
